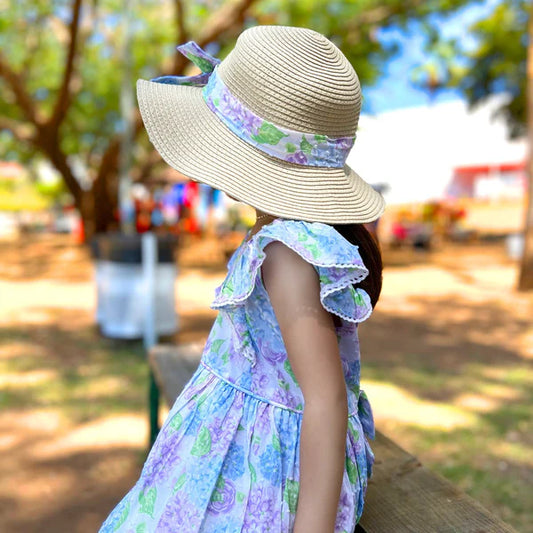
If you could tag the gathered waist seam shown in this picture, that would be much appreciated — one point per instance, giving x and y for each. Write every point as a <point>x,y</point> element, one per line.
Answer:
<point>248,392</point>
<point>256,396</point>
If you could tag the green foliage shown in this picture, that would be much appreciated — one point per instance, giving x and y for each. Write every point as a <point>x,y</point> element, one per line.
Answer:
<point>34,36</point>
<point>496,63</point>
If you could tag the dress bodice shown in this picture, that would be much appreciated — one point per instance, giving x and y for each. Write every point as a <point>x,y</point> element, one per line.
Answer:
<point>245,346</point>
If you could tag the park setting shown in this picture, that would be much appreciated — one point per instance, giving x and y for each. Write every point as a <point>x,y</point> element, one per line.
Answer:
<point>110,258</point>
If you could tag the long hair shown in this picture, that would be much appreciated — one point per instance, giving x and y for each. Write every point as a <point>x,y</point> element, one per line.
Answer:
<point>370,253</point>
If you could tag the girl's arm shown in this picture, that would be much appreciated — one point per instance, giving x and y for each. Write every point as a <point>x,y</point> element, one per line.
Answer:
<point>311,343</point>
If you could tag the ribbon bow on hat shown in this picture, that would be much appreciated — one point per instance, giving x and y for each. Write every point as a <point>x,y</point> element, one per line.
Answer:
<point>205,62</point>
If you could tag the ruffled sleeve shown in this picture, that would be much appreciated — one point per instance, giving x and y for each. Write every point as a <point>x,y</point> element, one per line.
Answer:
<point>335,259</point>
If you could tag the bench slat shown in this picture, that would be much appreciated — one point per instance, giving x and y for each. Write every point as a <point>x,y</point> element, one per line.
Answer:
<point>405,497</point>
<point>402,497</point>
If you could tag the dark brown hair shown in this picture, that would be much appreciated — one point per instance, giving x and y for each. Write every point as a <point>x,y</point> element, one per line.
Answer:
<point>370,253</point>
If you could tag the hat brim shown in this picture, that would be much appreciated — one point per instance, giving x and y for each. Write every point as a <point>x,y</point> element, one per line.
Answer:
<point>194,141</point>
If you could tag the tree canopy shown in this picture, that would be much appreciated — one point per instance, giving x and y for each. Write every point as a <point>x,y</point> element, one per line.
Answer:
<point>61,67</point>
<point>491,61</point>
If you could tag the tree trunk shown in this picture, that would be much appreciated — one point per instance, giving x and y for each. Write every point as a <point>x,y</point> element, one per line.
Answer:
<point>525,281</point>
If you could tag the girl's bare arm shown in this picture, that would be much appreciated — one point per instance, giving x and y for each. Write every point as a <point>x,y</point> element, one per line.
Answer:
<point>311,343</point>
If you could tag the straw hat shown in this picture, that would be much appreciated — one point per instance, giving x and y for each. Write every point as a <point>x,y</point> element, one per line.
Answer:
<point>297,85</point>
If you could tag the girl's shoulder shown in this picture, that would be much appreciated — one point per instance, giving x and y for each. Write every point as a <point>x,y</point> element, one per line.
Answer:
<point>336,260</point>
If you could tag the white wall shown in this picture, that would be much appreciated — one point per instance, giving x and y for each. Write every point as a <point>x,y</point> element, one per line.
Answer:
<point>415,149</point>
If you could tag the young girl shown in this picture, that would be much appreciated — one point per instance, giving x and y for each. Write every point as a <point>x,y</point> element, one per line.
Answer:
<point>270,434</point>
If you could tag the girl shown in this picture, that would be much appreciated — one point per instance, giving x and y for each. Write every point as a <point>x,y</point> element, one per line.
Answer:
<point>270,434</point>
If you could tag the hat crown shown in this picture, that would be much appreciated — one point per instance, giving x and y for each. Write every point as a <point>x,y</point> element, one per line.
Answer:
<point>295,78</point>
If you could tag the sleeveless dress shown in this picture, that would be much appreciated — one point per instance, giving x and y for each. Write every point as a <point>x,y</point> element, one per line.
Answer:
<point>227,457</point>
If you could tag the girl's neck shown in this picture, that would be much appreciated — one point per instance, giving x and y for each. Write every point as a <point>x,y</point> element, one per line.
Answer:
<point>261,219</point>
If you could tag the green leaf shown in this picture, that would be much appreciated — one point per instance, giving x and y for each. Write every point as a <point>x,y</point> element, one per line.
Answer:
<point>215,346</point>
<point>276,443</point>
<point>283,384</point>
<point>201,63</point>
<point>313,248</point>
<point>305,145</point>
<point>268,134</point>
<point>351,469</point>
<point>147,501</point>
<point>176,422</point>
<point>288,369</point>
<point>290,494</point>
<point>141,528</point>
<point>202,399</point>
<point>321,138</point>
<point>227,289</point>
<point>359,299</point>
<point>123,516</point>
<point>240,497</point>
<point>353,431</point>
<point>202,444</point>
<point>253,475</point>
<point>179,483</point>
<point>291,148</point>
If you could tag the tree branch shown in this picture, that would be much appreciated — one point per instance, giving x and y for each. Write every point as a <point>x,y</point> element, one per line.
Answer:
<point>15,82</point>
<point>64,95</point>
<point>181,31</point>
<point>219,22</point>
<point>223,20</point>
<point>383,12</point>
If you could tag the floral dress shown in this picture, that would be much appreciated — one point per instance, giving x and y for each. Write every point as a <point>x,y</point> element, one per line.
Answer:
<point>227,457</point>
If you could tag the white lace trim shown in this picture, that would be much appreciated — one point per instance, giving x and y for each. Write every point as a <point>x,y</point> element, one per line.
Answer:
<point>361,272</point>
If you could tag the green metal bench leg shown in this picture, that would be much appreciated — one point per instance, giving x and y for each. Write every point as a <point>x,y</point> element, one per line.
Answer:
<point>154,409</point>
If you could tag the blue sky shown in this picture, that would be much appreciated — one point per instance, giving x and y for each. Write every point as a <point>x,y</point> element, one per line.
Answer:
<point>394,90</point>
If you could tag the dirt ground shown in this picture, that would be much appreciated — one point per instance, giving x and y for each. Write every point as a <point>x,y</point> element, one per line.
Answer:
<point>446,363</point>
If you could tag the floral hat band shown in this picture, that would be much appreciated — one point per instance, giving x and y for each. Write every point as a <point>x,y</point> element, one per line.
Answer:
<point>282,143</point>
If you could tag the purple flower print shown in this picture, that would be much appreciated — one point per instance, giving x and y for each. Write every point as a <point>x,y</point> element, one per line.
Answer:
<point>344,143</point>
<point>274,356</point>
<point>262,381</point>
<point>262,510</point>
<point>223,497</point>
<point>177,512</point>
<point>344,513</point>
<point>263,422</point>
<point>164,452</point>
<point>250,122</point>
<point>297,157</point>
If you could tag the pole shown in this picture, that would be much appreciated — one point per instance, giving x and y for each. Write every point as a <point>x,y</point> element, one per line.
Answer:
<point>525,281</point>
<point>127,110</point>
<point>149,264</point>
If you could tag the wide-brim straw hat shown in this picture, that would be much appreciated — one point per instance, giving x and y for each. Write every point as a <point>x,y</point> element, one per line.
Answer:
<point>293,78</point>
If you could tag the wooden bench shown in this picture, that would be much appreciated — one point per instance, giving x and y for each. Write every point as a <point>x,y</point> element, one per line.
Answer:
<point>402,497</point>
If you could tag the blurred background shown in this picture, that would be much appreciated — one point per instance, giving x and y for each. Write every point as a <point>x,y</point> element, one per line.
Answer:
<point>444,135</point>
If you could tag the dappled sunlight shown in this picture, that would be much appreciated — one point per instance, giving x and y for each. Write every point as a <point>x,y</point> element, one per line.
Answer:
<point>390,402</point>
<point>104,386</point>
<point>116,431</point>
<point>476,402</point>
<point>446,363</point>
<point>18,380</point>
